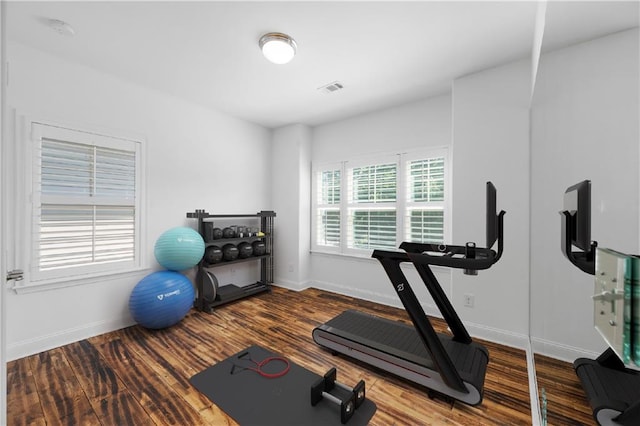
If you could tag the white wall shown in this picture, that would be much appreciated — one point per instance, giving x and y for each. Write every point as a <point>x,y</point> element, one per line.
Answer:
<point>584,126</point>
<point>3,205</point>
<point>196,158</point>
<point>491,143</point>
<point>422,124</point>
<point>290,160</point>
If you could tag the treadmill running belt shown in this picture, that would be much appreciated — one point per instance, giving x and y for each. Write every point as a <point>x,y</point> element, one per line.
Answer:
<point>376,331</point>
<point>402,340</point>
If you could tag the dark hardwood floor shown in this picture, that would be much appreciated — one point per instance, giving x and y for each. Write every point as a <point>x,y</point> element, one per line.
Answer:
<point>136,376</point>
<point>566,401</point>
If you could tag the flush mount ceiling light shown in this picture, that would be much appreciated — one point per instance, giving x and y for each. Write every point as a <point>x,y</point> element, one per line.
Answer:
<point>277,47</point>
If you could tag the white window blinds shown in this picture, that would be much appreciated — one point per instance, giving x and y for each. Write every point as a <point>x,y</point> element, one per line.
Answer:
<point>425,200</point>
<point>365,204</point>
<point>85,207</point>
<point>372,206</point>
<point>328,211</point>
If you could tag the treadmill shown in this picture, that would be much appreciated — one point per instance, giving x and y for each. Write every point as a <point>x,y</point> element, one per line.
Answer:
<point>612,387</point>
<point>450,365</point>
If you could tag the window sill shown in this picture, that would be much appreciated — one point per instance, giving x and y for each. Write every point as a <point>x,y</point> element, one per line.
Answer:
<point>58,283</point>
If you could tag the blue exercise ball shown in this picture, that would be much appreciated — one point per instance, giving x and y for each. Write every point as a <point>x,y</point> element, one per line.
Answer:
<point>161,299</point>
<point>179,248</point>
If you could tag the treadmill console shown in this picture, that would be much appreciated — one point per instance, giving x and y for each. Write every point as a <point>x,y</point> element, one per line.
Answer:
<point>468,257</point>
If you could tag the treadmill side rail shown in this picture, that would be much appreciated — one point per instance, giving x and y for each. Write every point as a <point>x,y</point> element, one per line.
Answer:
<point>429,337</point>
<point>392,346</point>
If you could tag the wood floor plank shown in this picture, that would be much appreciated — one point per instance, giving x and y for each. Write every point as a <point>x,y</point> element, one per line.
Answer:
<point>62,398</point>
<point>180,348</point>
<point>23,403</point>
<point>121,408</point>
<point>566,401</point>
<point>158,398</point>
<point>107,395</point>
<point>139,376</point>
<point>96,378</point>
<point>175,366</point>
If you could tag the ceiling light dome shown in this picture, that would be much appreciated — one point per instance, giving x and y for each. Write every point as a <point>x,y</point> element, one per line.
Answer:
<point>277,47</point>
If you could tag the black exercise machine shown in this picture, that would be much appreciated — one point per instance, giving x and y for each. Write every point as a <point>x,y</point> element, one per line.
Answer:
<point>450,365</point>
<point>613,389</point>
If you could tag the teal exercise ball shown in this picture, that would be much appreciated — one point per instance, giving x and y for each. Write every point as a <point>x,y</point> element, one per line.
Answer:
<point>161,299</point>
<point>179,248</point>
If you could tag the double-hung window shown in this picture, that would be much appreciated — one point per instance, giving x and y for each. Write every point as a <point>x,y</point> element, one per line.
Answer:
<point>328,182</point>
<point>85,203</point>
<point>371,203</point>
<point>425,204</point>
<point>377,203</point>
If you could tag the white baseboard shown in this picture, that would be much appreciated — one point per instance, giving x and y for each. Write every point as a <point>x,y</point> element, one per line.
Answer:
<point>39,344</point>
<point>497,335</point>
<point>359,293</point>
<point>560,351</point>
<point>291,285</point>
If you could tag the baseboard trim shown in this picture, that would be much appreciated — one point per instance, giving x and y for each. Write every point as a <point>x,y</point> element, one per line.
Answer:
<point>369,296</point>
<point>560,351</point>
<point>292,285</point>
<point>39,344</point>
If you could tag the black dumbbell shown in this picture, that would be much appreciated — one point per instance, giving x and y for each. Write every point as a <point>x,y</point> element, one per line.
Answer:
<point>324,385</point>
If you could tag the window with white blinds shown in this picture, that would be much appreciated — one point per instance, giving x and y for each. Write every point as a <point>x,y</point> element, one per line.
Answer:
<point>425,205</point>
<point>372,205</point>
<point>328,208</point>
<point>85,203</point>
<point>361,205</point>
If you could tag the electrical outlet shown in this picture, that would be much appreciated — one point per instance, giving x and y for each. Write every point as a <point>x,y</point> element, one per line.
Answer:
<point>469,300</point>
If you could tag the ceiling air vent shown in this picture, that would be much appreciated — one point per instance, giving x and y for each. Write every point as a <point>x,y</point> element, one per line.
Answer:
<point>331,87</point>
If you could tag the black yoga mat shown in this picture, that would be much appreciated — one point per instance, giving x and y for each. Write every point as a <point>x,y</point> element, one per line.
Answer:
<point>251,399</point>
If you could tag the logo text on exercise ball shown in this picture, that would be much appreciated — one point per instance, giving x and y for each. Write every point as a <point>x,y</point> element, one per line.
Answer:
<point>172,293</point>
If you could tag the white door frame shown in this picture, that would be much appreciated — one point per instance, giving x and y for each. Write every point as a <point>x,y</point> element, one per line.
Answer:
<point>3,217</point>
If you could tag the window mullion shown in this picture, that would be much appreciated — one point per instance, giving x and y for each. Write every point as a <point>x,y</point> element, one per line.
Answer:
<point>344,205</point>
<point>94,167</point>
<point>93,235</point>
<point>401,200</point>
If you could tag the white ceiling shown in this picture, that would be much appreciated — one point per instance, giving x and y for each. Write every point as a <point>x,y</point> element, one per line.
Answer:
<point>384,53</point>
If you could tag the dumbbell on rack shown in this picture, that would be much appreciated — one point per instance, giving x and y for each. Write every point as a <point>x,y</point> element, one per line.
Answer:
<point>321,388</point>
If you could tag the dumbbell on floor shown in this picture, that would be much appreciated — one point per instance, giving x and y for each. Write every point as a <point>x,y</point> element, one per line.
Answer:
<point>324,385</point>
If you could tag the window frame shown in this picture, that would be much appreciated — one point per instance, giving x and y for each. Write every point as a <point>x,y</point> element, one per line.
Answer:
<point>402,205</point>
<point>350,206</point>
<point>33,132</point>
<point>444,205</point>
<point>316,206</point>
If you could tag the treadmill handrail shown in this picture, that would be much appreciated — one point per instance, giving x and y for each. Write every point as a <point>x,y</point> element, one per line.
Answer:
<point>449,314</point>
<point>480,258</point>
<point>419,254</point>
<point>441,360</point>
